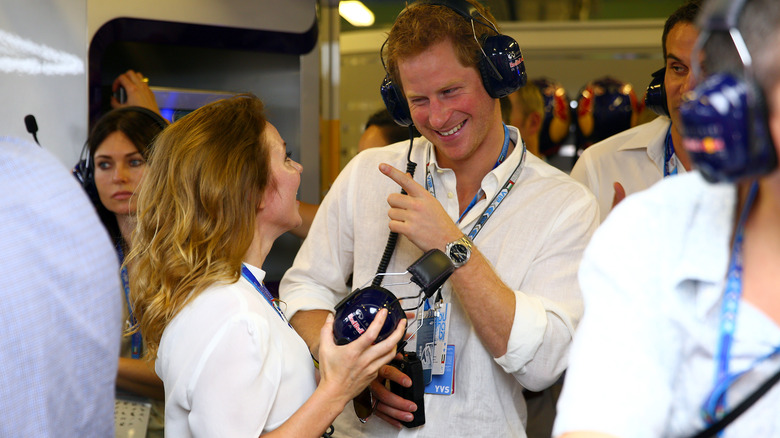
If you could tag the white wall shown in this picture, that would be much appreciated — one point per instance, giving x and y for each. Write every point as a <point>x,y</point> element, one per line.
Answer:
<point>43,54</point>
<point>42,72</point>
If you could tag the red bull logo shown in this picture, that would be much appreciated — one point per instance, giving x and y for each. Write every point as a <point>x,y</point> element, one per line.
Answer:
<point>709,145</point>
<point>356,325</point>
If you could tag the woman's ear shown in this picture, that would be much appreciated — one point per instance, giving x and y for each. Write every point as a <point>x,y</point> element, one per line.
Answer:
<point>260,203</point>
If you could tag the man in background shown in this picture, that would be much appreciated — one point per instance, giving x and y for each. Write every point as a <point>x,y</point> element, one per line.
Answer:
<point>381,130</point>
<point>635,159</point>
<point>526,113</point>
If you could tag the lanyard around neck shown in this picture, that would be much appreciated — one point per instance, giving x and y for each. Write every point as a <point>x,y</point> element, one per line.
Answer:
<point>260,287</point>
<point>715,405</point>
<point>670,164</point>
<point>135,339</point>
<point>500,195</point>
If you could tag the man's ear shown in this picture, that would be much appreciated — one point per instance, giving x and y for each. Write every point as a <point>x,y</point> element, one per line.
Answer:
<point>533,123</point>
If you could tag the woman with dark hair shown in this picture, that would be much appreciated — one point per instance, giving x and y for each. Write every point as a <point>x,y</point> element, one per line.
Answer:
<point>219,189</point>
<point>118,147</point>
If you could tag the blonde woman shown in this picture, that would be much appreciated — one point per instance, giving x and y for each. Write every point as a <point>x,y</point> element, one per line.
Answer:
<point>219,189</point>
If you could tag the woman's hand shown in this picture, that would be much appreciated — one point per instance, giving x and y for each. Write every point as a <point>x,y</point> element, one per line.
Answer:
<point>348,369</point>
<point>138,92</point>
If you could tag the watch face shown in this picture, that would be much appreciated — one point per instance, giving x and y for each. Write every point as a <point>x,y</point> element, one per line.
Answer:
<point>459,253</point>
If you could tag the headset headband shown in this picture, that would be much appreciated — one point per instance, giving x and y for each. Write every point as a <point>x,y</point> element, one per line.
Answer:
<point>464,9</point>
<point>501,65</point>
<point>723,18</point>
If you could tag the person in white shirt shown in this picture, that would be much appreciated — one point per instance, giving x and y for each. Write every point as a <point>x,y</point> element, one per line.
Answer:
<point>60,324</point>
<point>218,189</point>
<point>682,320</point>
<point>513,224</point>
<point>635,159</point>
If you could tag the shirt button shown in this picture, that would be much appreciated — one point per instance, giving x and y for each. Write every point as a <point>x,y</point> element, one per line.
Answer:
<point>450,195</point>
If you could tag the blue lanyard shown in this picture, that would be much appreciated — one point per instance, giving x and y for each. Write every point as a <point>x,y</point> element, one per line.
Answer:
<point>501,158</point>
<point>497,199</point>
<point>670,166</point>
<point>135,339</point>
<point>715,405</point>
<point>247,274</point>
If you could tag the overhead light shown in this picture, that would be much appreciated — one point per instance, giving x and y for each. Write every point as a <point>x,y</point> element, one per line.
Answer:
<point>356,13</point>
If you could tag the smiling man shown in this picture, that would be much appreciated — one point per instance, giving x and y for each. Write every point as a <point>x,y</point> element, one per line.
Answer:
<point>514,226</point>
<point>635,159</point>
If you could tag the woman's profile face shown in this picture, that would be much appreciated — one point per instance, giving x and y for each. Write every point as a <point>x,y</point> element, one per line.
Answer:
<point>280,197</point>
<point>118,171</point>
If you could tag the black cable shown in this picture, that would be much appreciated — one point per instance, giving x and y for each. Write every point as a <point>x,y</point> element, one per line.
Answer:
<point>721,424</point>
<point>393,237</point>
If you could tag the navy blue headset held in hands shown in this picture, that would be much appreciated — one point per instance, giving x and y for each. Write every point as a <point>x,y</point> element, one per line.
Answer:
<point>355,313</point>
<point>501,62</point>
<point>725,125</point>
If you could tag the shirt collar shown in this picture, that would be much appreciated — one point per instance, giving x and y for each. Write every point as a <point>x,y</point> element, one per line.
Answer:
<point>492,181</point>
<point>647,136</point>
<point>257,272</point>
<point>708,234</point>
<point>651,137</point>
<point>706,244</point>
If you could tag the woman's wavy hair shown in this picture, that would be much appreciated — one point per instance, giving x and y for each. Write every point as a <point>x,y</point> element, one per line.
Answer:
<point>420,26</point>
<point>196,209</point>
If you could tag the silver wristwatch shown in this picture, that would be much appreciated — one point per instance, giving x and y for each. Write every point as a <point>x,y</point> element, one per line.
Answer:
<point>459,251</point>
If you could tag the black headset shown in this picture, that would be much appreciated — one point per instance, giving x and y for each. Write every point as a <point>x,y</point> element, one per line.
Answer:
<point>725,122</point>
<point>655,96</point>
<point>84,171</point>
<point>501,64</point>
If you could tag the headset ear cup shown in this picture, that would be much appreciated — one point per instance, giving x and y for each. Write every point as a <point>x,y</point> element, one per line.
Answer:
<point>355,313</point>
<point>655,96</point>
<point>83,169</point>
<point>502,67</point>
<point>725,129</point>
<point>395,102</point>
<point>85,176</point>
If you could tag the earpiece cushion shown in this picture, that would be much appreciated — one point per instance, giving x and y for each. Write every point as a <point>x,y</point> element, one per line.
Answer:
<point>509,75</point>
<point>655,96</point>
<point>725,129</point>
<point>395,102</point>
